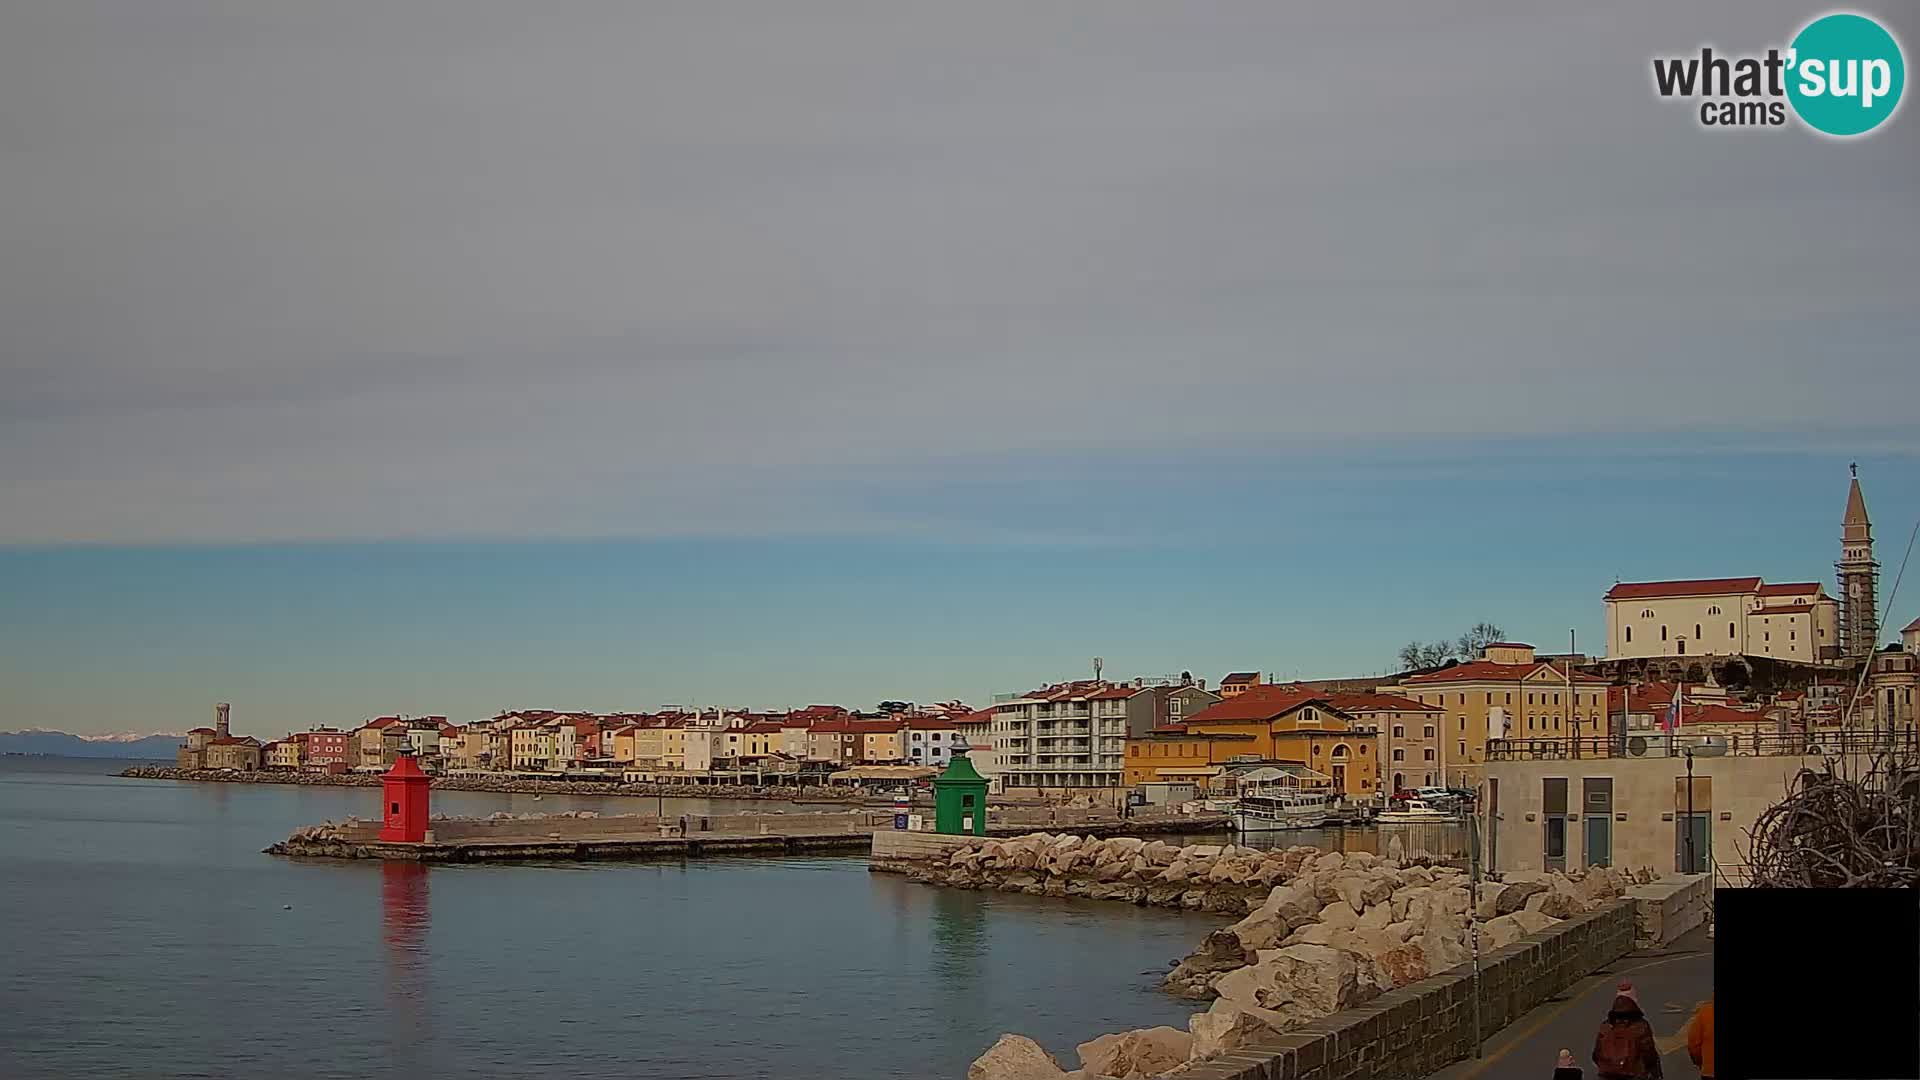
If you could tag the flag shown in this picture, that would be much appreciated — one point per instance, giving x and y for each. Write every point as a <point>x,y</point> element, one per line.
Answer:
<point>1675,709</point>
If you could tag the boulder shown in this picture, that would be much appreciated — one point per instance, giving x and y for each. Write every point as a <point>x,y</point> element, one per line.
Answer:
<point>1194,976</point>
<point>1261,929</point>
<point>1339,914</point>
<point>1400,931</point>
<point>1375,918</point>
<point>1297,983</point>
<point>1402,964</point>
<point>1563,901</point>
<point>1176,873</point>
<point>1486,899</point>
<point>1132,1055</point>
<point>1124,845</point>
<point>1442,940</point>
<point>1532,922</point>
<point>1294,903</point>
<point>1514,897</point>
<point>1410,903</point>
<point>1332,860</point>
<point>1501,931</point>
<point>1225,1027</point>
<point>1015,1057</point>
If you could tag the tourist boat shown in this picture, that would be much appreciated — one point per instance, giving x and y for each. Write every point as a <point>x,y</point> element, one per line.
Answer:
<point>1272,811</point>
<point>1412,811</point>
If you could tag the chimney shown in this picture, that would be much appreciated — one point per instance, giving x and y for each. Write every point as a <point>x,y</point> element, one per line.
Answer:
<point>220,720</point>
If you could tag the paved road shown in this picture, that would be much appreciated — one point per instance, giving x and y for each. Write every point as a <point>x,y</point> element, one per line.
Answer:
<point>1671,984</point>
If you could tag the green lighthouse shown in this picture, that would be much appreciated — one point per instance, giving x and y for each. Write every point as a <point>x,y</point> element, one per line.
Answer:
<point>960,799</point>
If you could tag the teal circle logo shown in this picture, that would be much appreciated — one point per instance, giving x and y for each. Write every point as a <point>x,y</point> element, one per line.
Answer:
<point>1846,74</point>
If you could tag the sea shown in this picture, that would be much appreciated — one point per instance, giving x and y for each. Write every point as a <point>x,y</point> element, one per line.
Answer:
<point>143,933</point>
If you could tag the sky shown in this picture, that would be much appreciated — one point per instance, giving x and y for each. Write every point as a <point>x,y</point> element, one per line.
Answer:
<point>429,358</point>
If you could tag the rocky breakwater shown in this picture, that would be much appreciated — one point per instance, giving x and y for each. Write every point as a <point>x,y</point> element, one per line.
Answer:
<point>1329,932</point>
<point>1198,877</point>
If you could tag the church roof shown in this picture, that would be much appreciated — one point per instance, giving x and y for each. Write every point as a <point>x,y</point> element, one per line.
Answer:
<point>1647,590</point>
<point>1911,627</point>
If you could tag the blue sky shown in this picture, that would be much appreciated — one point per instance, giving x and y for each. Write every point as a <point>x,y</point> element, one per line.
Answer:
<point>772,354</point>
<point>1305,566</point>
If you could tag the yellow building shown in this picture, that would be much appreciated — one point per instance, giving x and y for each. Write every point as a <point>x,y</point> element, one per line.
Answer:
<point>283,754</point>
<point>1262,723</point>
<point>663,747</point>
<point>1526,698</point>
<point>880,741</point>
<point>234,752</point>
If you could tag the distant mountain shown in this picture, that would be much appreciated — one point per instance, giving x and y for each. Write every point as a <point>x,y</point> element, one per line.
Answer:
<point>60,744</point>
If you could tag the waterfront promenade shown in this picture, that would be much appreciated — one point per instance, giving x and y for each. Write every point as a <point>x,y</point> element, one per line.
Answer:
<point>1672,981</point>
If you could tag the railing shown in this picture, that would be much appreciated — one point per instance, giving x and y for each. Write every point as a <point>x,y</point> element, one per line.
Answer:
<point>1819,743</point>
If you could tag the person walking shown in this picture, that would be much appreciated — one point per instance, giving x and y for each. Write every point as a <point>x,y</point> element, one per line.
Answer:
<point>1700,1038</point>
<point>1624,1048</point>
<point>1566,1068</point>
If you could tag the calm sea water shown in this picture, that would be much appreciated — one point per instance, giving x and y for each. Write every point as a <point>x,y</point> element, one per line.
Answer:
<point>145,935</point>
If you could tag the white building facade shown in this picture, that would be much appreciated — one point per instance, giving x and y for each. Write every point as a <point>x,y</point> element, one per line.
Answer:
<point>1798,622</point>
<point>1070,735</point>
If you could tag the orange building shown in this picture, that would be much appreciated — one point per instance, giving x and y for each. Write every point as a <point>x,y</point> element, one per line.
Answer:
<point>1263,723</point>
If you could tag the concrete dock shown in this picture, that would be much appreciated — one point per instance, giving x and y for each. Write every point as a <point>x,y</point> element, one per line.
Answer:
<point>608,840</point>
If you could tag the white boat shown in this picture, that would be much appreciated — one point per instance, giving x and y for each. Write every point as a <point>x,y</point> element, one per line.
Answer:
<point>1414,811</point>
<point>1273,811</point>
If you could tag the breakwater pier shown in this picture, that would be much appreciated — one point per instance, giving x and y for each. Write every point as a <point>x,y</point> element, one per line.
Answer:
<point>592,838</point>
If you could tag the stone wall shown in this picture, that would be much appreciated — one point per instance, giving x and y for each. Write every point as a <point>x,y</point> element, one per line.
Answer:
<point>1664,910</point>
<point>1417,1029</point>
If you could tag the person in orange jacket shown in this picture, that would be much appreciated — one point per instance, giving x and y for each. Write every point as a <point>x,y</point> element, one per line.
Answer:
<point>1700,1038</point>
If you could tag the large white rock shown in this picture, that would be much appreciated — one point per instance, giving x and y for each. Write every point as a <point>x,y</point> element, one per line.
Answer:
<point>1225,1027</point>
<point>1298,983</point>
<point>1015,1057</point>
<point>1375,918</point>
<point>1532,922</point>
<point>1442,940</point>
<point>1486,899</point>
<point>1132,1055</point>
<point>1294,902</point>
<point>1332,860</point>
<point>1339,914</point>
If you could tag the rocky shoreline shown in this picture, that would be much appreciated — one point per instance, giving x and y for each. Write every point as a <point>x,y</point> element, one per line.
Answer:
<point>515,786</point>
<point>1323,932</point>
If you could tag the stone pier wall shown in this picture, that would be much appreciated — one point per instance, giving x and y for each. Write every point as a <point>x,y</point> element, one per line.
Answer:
<point>1424,1026</point>
<point>1664,910</point>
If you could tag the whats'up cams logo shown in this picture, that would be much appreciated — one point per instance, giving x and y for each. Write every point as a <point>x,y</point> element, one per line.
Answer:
<point>1842,75</point>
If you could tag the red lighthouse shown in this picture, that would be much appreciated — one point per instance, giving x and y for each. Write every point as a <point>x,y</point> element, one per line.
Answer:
<point>405,795</point>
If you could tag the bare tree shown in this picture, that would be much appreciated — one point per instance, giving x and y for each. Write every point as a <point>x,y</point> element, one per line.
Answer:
<point>1415,655</point>
<point>1478,636</point>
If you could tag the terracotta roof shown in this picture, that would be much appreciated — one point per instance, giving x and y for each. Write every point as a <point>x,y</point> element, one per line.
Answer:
<point>1790,589</point>
<point>235,740</point>
<point>1240,676</point>
<point>978,716</point>
<point>196,731</point>
<point>765,727</point>
<point>1647,590</point>
<point>1379,703</point>
<point>873,727</point>
<point>1258,703</point>
<point>1911,627</point>
<point>931,723</point>
<point>1719,714</point>
<point>1488,671</point>
<point>1508,645</point>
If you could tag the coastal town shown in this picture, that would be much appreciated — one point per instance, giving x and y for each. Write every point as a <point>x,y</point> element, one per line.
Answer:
<point>1733,681</point>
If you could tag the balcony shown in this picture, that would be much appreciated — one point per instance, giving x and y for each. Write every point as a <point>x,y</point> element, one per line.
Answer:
<point>1657,744</point>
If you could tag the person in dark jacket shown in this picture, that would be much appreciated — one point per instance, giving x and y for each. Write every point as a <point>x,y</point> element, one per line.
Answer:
<point>1624,1048</point>
<point>1566,1068</point>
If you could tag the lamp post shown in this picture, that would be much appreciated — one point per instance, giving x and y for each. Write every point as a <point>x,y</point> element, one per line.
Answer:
<point>1689,825</point>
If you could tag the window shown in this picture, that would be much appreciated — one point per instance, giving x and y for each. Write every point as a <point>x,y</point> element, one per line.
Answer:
<point>1729,631</point>
<point>1696,631</point>
<point>1714,610</point>
<point>1646,613</point>
<point>1663,633</point>
<point>1429,753</point>
<point>1509,697</point>
<point>1430,731</point>
<point>1399,731</point>
<point>1629,633</point>
<point>1463,748</point>
<point>1399,754</point>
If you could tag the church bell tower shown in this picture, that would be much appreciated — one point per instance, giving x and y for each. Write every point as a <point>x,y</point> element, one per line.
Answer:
<point>1859,577</point>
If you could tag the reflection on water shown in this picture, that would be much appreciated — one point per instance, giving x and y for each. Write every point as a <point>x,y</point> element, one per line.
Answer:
<point>404,917</point>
